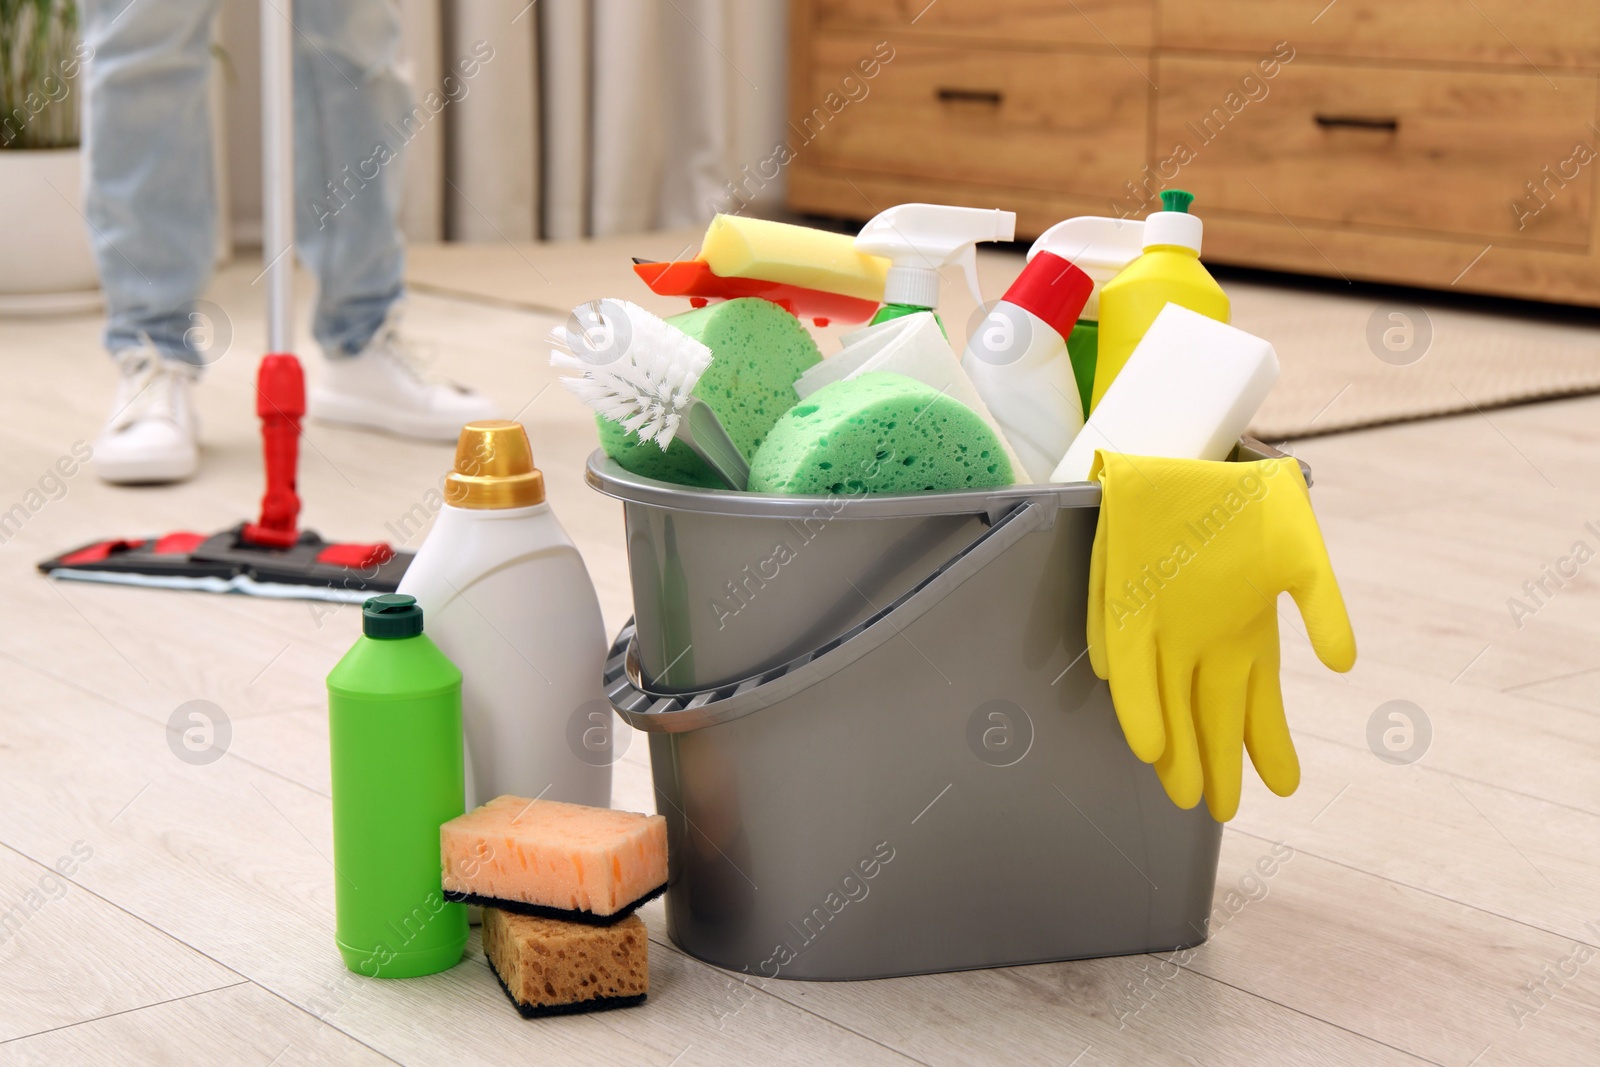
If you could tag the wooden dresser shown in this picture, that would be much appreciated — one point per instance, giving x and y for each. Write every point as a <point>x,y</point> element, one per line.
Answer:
<point>1440,143</point>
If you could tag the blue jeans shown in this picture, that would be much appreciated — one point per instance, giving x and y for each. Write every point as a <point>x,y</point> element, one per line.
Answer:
<point>151,199</point>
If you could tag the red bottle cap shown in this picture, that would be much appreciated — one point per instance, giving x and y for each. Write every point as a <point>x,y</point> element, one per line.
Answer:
<point>1053,289</point>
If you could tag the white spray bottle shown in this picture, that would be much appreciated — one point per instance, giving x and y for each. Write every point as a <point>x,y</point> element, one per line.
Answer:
<point>509,601</point>
<point>1101,247</point>
<point>918,239</point>
<point>1017,359</point>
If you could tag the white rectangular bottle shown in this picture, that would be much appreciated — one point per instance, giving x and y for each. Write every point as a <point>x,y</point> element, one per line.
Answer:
<point>509,601</point>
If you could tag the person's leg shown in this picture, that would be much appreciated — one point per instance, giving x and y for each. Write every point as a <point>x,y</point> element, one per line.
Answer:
<point>151,192</point>
<point>152,222</point>
<point>353,116</point>
<point>349,103</point>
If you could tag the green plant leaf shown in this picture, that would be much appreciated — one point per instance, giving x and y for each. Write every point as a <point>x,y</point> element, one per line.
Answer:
<point>38,101</point>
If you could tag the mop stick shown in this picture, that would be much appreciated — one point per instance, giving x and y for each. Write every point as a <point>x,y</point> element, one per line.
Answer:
<point>280,381</point>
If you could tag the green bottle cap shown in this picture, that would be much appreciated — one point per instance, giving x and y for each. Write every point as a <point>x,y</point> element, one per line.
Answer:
<point>391,616</point>
<point>1176,200</point>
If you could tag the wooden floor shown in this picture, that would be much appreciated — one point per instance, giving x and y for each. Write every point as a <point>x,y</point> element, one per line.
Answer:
<point>1443,911</point>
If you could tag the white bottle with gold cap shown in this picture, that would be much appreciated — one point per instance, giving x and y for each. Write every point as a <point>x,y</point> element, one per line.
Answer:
<point>509,600</point>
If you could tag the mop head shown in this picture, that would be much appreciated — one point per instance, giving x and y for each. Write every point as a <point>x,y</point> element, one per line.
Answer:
<point>757,352</point>
<point>548,967</point>
<point>311,569</point>
<point>879,433</point>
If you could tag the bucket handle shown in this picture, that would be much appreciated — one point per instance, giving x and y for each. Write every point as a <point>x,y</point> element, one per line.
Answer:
<point>680,713</point>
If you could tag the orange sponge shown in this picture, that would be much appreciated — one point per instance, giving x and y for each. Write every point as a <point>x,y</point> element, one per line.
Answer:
<point>559,861</point>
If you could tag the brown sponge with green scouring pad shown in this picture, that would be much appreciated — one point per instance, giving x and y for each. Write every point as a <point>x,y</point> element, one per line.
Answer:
<point>879,433</point>
<point>757,351</point>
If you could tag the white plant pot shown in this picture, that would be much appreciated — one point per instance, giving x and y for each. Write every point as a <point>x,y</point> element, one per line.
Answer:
<point>48,265</point>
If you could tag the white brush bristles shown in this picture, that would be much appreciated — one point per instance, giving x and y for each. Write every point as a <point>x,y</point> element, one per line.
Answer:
<point>636,369</point>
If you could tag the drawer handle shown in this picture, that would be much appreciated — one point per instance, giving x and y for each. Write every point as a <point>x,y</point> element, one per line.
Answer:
<point>1357,122</point>
<point>947,95</point>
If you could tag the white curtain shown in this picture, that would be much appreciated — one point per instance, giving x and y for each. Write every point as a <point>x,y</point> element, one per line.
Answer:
<point>422,213</point>
<point>490,171</point>
<point>636,115</point>
<point>590,117</point>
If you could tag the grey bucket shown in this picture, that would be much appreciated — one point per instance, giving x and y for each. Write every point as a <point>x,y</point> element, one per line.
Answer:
<point>876,738</point>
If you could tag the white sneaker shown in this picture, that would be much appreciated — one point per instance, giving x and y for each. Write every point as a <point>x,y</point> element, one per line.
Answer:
<point>383,388</point>
<point>151,434</point>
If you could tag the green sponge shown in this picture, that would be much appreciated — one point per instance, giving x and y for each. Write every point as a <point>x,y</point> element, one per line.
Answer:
<point>757,351</point>
<point>879,433</point>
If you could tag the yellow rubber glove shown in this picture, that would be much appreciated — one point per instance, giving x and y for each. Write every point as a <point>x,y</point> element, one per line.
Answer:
<point>1189,559</point>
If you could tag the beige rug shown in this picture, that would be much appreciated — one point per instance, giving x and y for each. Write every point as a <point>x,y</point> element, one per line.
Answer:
<point>1348,360</point>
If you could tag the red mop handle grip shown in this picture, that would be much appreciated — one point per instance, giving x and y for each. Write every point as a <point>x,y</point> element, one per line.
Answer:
<point>280,402</point>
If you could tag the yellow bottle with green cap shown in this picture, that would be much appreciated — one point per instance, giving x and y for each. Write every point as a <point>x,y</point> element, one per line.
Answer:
<point>509,600</point>
<point>1169,272</point>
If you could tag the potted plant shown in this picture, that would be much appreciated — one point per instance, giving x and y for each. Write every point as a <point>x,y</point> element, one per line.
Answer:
<point>47,263</point>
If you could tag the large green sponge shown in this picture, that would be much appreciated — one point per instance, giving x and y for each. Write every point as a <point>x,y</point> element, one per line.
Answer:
<point>879,433</point>
<point>757,351</point>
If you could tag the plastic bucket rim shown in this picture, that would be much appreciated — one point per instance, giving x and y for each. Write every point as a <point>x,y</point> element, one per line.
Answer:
<point>609,478</point>
<point>606,476</point>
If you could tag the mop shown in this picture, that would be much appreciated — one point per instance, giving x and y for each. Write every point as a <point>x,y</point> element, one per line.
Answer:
<point>269,557</point>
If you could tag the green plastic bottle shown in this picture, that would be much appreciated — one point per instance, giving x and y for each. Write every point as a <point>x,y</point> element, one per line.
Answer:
<point>394,736</point>
<point>900,311</point>
<point>1083,347</point>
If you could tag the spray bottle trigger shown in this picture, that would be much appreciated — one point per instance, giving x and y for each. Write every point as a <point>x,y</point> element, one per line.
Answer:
<point>968,259</point>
